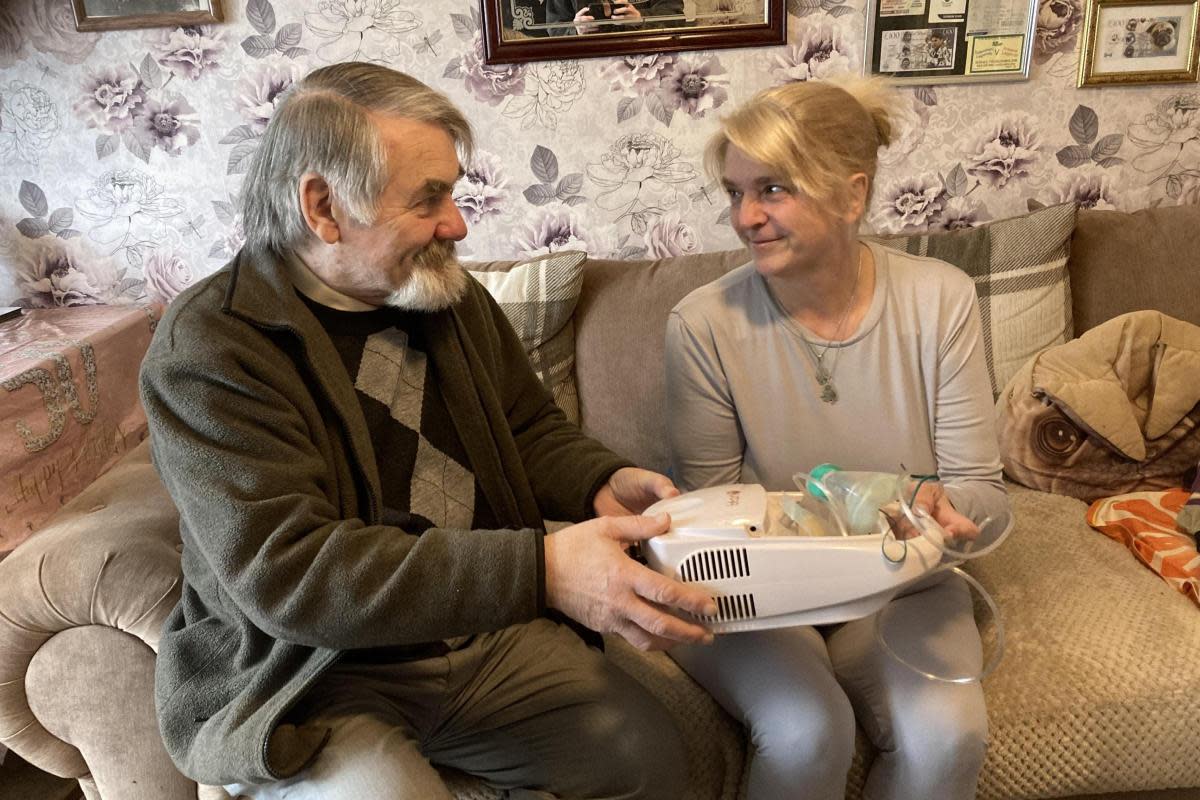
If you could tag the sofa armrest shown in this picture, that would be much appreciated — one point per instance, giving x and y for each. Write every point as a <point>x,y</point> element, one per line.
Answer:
<point>108,559</point>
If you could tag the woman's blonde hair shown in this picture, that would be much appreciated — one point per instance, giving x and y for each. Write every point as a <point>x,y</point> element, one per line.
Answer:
<point>818,133</point>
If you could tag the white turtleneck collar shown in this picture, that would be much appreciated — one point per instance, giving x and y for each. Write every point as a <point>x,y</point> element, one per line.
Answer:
<point>315,289</point>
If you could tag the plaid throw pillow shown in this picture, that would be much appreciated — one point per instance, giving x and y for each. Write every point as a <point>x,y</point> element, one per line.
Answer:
<point>538,297</point>
<point>1020,271</point>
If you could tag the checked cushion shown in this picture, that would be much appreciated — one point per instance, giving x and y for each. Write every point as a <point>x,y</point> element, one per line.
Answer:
<point>538,296</point>
<point>1019,266</point>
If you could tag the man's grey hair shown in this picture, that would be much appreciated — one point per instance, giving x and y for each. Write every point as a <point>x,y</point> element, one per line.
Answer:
<point>324,125</point>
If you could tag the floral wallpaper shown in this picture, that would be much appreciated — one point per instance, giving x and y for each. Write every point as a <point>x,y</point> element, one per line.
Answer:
<point>123,152</point>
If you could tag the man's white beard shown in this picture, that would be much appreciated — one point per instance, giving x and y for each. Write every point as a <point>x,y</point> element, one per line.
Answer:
<point>437,281</point>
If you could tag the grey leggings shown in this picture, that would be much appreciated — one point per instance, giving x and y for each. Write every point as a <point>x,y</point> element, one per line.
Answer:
<point>529,708</point>
<point>799,691</point>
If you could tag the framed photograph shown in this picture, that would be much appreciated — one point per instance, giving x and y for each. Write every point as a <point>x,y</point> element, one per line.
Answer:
<point>950,41</point>
<point>111,15</point>
<point>1132,41</point>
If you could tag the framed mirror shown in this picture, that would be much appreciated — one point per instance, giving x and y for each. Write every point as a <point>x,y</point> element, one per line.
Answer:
<point>110,15</point>
<point>538,30</point>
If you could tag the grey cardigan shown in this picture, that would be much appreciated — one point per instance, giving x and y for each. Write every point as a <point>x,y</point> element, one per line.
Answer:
<point>259,437</point>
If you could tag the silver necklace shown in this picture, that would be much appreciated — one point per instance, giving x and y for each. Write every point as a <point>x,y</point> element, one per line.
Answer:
<point>824,375</point>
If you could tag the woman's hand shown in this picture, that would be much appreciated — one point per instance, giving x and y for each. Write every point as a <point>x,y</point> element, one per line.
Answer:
<point>931,500</point>
<point>631,490</point>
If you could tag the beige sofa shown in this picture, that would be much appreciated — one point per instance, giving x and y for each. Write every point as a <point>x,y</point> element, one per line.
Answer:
<point>1098,693</point>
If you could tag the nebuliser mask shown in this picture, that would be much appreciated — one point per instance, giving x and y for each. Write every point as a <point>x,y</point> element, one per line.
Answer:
<point>842,546</point>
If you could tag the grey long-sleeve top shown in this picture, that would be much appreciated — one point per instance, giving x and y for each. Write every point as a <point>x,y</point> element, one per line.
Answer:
<point>744,405</point>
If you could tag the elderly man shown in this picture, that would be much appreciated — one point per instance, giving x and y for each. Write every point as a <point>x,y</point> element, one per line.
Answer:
<point>362,458</point>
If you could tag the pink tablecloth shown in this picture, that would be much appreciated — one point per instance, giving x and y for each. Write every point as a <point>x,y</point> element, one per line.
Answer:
<point>69,406</point>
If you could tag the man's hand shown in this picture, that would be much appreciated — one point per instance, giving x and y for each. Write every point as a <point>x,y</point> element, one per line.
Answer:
<point>624,10</point>
<point>591,579</point>
<point>585,20</point>
<point>631,491</point>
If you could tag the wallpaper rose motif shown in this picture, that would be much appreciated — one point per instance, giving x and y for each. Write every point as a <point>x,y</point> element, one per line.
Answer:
<point>1058,23</point>
<point>121,204</point>
<point>124,152</point>
<point>50,28</point>
<point>824,50</point>
<point>551,229</point>
<point>491,83</point>
<point>111,95</point>
<point>910,119</point>
<point>259,92</point>
<point>1003,149</point>
<point>695,86</point>
<point>635,162</point>
<point>189,52</point>
<point>669,236</point>
<point>483,189</point>
<point>29,120</point>
<point>359,30</point>
<point>912,203</point>
<point>167,274</point>
<point>550,89</point>
<point>1169,136</point>
<point>11,40</point>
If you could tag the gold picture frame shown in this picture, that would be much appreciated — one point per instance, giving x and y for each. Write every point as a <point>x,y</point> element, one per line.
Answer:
<point>1137,42</point>
<point>111,15</point>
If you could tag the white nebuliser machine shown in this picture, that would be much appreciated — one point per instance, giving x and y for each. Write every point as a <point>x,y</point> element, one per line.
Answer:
<point>841,547</point>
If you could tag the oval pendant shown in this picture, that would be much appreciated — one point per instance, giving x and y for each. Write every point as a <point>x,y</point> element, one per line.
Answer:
<point>829,394</point>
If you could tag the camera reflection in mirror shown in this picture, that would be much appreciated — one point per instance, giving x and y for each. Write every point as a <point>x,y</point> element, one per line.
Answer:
<point>558,18</point>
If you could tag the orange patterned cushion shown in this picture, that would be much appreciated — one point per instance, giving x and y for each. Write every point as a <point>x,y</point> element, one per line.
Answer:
<point>1145,523</point>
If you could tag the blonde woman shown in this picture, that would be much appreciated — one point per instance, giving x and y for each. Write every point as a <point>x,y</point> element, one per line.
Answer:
<point>826,348</point>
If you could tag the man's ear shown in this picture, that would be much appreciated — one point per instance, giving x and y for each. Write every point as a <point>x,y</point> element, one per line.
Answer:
<point>316,204</point>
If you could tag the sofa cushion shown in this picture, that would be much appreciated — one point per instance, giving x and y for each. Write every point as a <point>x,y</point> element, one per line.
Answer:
<point>1145,523</point>
<point>538,296</point>
<point>621,328</point>
<point>1020,271</point>
<point>1098,690</point>
<point>1128,261</point>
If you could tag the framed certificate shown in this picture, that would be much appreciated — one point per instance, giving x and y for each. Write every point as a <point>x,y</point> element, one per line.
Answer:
<point>950,41</point>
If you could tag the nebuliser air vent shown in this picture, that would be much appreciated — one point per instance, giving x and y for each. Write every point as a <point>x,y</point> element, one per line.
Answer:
<point>732,607</point>
<point>715,564</point>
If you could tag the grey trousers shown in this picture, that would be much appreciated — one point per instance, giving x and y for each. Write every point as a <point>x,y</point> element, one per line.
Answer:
<point>799,691</point>
<point>528,708</point>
